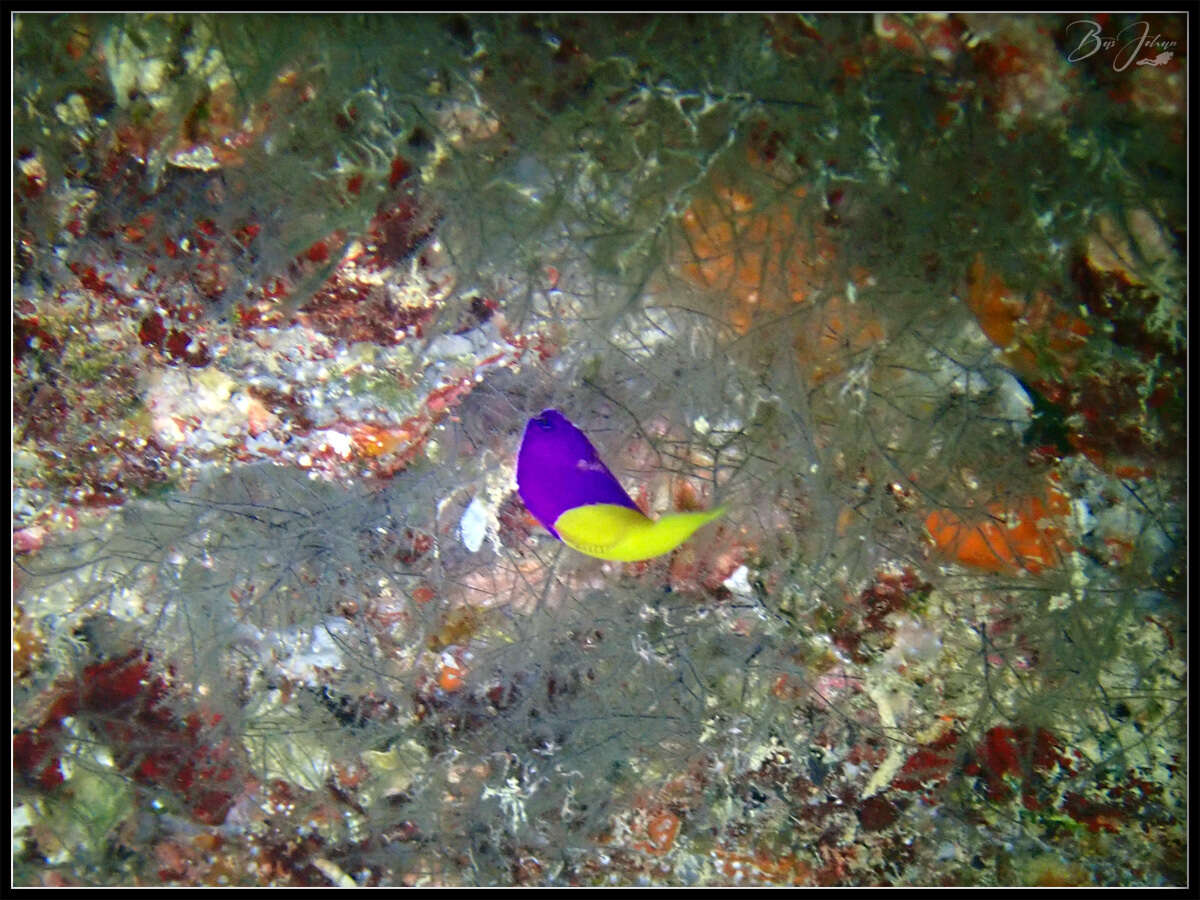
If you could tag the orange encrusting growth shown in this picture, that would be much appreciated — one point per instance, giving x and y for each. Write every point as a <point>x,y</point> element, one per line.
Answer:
<point>372,441</point>
<point>762,867</point>
<point>841,332</point>
<point>766,258</point>
<point>1025,536</point>
<point>662,830</point>
<point>451,676</point>
<point>763,259</point>
<point>1030,332</point>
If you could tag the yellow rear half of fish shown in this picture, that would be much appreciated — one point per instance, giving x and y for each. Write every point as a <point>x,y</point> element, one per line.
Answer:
<point>608,531</point>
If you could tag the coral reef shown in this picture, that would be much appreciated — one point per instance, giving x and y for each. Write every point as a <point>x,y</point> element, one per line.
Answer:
<point>904,296</point>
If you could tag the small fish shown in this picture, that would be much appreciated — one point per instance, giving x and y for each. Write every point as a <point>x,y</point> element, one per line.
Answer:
<point>574,495</point>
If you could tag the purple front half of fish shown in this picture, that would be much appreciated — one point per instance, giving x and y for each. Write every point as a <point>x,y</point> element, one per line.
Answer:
<point>558,469</point>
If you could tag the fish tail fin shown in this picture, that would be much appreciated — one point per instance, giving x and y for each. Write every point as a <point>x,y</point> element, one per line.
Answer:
<point>674,528</point>
<point>663,535</point>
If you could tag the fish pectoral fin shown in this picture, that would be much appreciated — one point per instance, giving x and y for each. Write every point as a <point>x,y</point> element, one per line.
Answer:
<point>608,531</point>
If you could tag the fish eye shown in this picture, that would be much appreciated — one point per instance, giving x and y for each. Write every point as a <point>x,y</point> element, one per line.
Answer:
<point>544,423</point>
